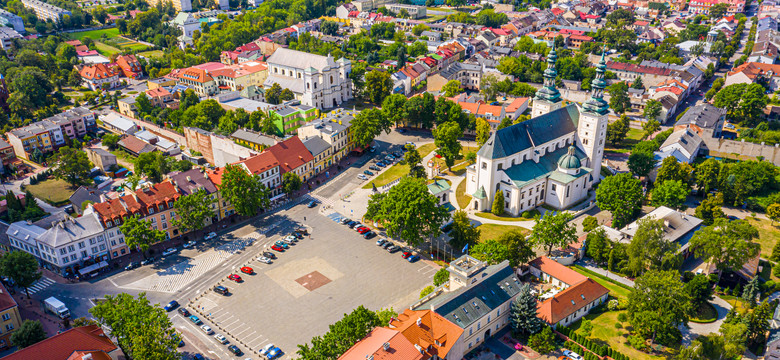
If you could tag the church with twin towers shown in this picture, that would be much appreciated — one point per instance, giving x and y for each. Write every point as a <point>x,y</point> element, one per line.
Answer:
<point>554,158</point>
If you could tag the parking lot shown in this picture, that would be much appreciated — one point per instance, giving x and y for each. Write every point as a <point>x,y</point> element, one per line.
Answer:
<point>310,286</point>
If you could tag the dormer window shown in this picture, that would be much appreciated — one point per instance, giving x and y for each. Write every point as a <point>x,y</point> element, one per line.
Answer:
<point>151,210</point>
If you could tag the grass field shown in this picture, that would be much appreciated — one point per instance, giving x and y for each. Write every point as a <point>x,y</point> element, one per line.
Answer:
<point>633,137</point>
<point>51,191</point>
<point>705,314</point>
<point>605,332</point>
<point>105,49</point>
<point>95,34</point>
<point>493,231</point>
<point>460,193</point>
<point>614,288</point>
<point>768,235</point>
<point>490,216</point>
<point>150,54</point>
<point>391,174</point>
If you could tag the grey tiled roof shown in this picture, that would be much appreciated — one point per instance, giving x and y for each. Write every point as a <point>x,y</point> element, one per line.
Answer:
<point>704,116</point>
<point>316,145</point>
<point>70,230</point>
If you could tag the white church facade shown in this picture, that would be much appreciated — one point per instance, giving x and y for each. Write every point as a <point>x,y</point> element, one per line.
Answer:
<point>554,158</point>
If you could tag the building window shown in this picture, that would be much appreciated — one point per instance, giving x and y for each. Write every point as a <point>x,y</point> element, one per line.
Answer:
<point>6,317</point>
<point>552,187</point>
<point>484,165</point>
<point>9,327</point>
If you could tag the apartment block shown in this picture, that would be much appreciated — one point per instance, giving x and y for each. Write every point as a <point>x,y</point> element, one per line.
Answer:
<point>46,11</point>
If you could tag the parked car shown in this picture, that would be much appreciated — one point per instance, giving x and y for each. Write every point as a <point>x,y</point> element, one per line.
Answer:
<point>195,320</point>
<point>381,242</point>
<point>406,254</point>
<point>362,177</point>
<point>277,248</point>
<point>198,357</point>
<point>221,338</point>
<point>368,173</point>
<point>397,154</point>
<point>184,312</point>
<point>369,235</point>
<point>374,167</point>
<point>413,258</point>
<point>312,204</point>
<point>235,350</point>
<point>219,289</point>
<point>363,230</point>
<point>147,261</point>
<point>380,164</point>
<point>247,270</point>
<point>169,251</point>
<point>264,260</point>
<point>269,255</point>
<point>234,277</point>
<point>387,245</point>
<point>354,224</point>
<point>171,305</point>
<point>401,131</point>
<point>345,221</point>
<point>572,355</point>
<point>372,149</point>
<point>132,265</point>
<point>270,351</point>
<point>282,244</point>
<point>291,239</point>
<point>393,249</point>
<point>389,158</point>
<point>299,234</point>
<point>207,329</point>
<point>189,244</point>
<point>209,236</point>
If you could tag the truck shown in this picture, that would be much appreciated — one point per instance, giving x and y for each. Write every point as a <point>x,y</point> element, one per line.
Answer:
<point>56,307</point>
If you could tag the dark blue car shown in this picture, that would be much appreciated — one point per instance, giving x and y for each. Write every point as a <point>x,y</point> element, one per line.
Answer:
<point>413,258</point>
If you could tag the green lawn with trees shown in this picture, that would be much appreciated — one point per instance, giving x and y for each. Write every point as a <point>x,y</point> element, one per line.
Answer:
<point>53,191</point>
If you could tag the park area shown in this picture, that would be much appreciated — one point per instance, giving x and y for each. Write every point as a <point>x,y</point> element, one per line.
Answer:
<point>108,41</point>
<point>53,191</point>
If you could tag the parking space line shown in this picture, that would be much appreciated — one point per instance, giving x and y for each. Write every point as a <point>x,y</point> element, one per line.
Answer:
<point>234,321</point>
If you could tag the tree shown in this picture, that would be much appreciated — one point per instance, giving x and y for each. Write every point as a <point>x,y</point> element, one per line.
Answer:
<point>757,322</point>
<point>329,27</point>
<point>426,291</point>
<point>657,305</point>
<point>589,223</point>
<point>707,174</point>
<point>452,88</point>
<point>341,336</point>
<point>441,277</point>
<point>520,250</point>
<point>413,159</point>
<point>368,124</point>
<point>553,230</point>
<point>670,193</point>
<point>743,102</point>
<point>110,141</point>
<point>385,315</point>
<point>291,183</point>
<point>599,246</point>
<point>142,330</point>
<point>649,249</point>
<point>638,85</point>
<point>286,95</point>
<point>522,314</point>
<point>490,251</point>
<point>483,131</point>
<point>408,211</point>
<point>192,211</point>
<point>140,233</point>
<point>400,58</point>
<point>394,108</point>
<point>246,192</point>
<point>21,267</point>
<point>498,204</point>
<point>273,94</point>
<point>727,244</point>
<point>446,140</point>
<point>641,163</point>
<point>751,292</point>
<point>542,342</point>
<point>699,290</point>
<point>621,195</point>
<point>30,333</point>
<point>773,212</point>
<point>153,164</point>
<point>710,209</point>
<point>732,342</point>
<point>143,104</point>
<point>463,231</point>
<point>652,111</point>
<point>619,100</point>
<point>617,130</point>
<point>672,169</point>
<point>718,10</point>
<point>73,166</point>
<point>378,86</point>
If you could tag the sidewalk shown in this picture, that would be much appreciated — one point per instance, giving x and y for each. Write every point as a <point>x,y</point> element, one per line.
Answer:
<point>31,309</point>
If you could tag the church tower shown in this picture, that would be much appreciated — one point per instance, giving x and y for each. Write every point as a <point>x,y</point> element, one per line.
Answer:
<point>548,98</point>
<point>592,127</point>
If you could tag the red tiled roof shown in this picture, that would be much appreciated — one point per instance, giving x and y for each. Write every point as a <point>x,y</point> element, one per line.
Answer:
<point>433,328</point>
<point>494,110</point>
<point>195,74</point>
<point>160,91</point>
<point>516,104</point>
<point>399,347</point>
<point>61,346</point>
<point>291,154</point>
<point>556,270</point>
<point>74,42</point>
<point>6,301</point>
<point>260,163</point>
<point>95,355</point>
<point>135,145</point>
<point>216,175</point>
<point>557,11</point>
<point>637,68</point>
<point>570,300</point>
<point>157,194</point>
<point>97,71</point>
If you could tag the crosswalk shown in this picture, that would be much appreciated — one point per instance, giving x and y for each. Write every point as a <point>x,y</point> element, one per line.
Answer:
<point>177,276</point>
<point>39,285</point>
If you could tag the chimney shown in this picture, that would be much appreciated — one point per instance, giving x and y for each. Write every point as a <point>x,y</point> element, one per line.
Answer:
<point>87,356</point>
<point>386,346</point>
<point>419,321</point>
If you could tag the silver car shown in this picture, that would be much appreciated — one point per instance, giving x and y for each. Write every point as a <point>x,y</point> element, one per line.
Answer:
<point>264,259</point>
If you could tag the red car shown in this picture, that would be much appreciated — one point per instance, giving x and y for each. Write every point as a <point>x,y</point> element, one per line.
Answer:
<point>247,270</point>
<point>363,230</point>
<point>406,254</point>
<point>360,227</point>
<point>234,277</point>
<point>277,248</point>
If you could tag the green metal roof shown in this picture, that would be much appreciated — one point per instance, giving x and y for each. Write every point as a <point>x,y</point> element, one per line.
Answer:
<point>569,161</point>
<point>529,171</point>
<point>438,186</point>
<point>480,194</point>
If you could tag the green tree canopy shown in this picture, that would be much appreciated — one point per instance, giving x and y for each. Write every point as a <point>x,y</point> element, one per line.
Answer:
<point>73,166</point>
<point>193,210</point>
<point>621,195</point>
<point>30,333</point>
<point>463,231</point>
<point>153,164</point>
<point>553,230</point>
<point>140,233</point>
<point>21,267</point>
<point>341,336</point>
<point>246,192</point>
<point>641,163</point>
<point>657,305</point>
<point>378,86</point>
<point>446,140</point>
<point>727,244</point>
<point>670,193</point>
<point>649,249</point>
<point>291,183</point>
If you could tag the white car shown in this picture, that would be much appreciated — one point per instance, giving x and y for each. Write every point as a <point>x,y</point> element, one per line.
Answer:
<point>169,251</point>
<point>210,236</point>
<point>290,239</point>
<point>266,349</point>
<point>572,355</point>
<point>221,338</point>
<point>207,329</point>
<point>189,244</point>
<point>264,259</point>
<point>362,177</point>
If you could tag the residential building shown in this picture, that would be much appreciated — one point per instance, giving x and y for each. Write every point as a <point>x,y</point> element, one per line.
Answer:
<point>316,80</point>
<point>161,97</point>
<point>74,123</point>
<point>86,341</point>
<point>684,145</point>
<point>677,226</point>
<point>477,300</point>
<point>101,158</point>
<point>469,75</point>
<point>179,5</point>
<point>705,120</point>
<point>266,167</point>
<point>752,72</point>
<point>554,158</point>
<point>382,344</point>
<point>321,151</point>
<point>772,351</point>
<point>193,180</point>
<point>38,136</point>
<point>12,20</point>
<point>240,76</point>
<point>198,80</point>
<point>703,6</point>
<point>96,75</point>
<point>432,334</point>
<point>335,129</point>
<point>252,140</point>
<point>130,66</point>
<point>286,117</point>
<point>7,154</point>
<point>226,209</point>
<point>127,106</point>
<point>10,319</point>
<point>293,157</point>
<point>7,37</point>
<point>61,243</point>
<point>152,203</point>
<point>84,194</point>
<point>118,124</point>
<point>414,11</point>
<point>187,23</point>
<point>573,295</point>
<point>135,146</point>
<point>44,11</point>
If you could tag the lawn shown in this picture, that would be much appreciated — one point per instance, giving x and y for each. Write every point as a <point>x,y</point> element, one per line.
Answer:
<point>460,193</point>
<point>95,34</point>
<point>52,191</point>
<point>605,332</point>
<point>705,314</point>
<point>768,235</point>
<point>426,149</point>
<point>391,174</point>
<point>504,217</point>
<point>615,289</point>
<point>633,137</point>
<point>150,54</point>
<point>105,49</point>
<point>493,231</point>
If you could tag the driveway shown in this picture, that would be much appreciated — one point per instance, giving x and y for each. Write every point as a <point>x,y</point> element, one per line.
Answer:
<point>695,330</point>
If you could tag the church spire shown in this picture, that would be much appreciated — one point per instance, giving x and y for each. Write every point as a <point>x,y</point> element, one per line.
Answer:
<point>596,103</point>
<point>548,91</point>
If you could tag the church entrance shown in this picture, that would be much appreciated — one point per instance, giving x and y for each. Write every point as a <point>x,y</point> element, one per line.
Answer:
<point>476,205</point>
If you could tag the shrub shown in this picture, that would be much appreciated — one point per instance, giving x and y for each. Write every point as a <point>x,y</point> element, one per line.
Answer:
<point>612,305</point>
<point>769,285</point>
<point>589,223</point>
<point>526,215</point>
<point>428,289</point>
<point>622,317</point>
<point>637,342</point>
<point>618,325</point>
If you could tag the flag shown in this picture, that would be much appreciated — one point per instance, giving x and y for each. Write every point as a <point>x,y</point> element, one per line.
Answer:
<point>465,248</point>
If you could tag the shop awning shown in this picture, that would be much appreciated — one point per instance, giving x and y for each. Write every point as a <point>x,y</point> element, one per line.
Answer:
<point>93,267</point>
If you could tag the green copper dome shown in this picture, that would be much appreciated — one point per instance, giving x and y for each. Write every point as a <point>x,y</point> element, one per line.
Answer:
<point>569,161</point>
